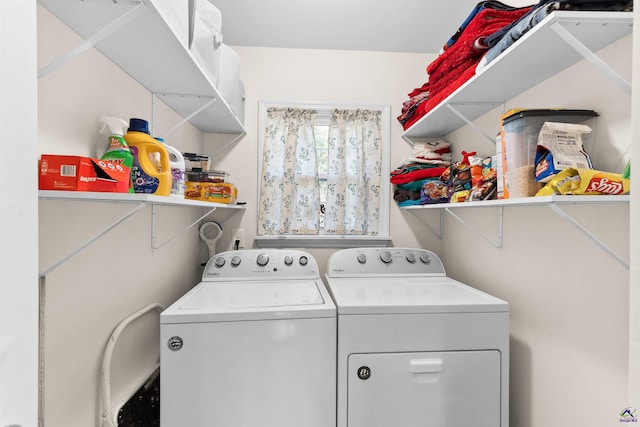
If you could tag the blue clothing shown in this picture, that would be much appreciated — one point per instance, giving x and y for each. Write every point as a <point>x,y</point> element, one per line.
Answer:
<point>499,41</point>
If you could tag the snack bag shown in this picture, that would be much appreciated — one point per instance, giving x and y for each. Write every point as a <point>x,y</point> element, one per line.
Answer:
<point>560,147</point>
<point>486,188</point>
<point>597,182</point>
<point>433,191</point>
<point>457,177</point>
<point>585,181</point>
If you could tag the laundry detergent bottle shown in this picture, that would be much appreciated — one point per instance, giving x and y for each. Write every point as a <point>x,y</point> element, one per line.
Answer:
<point>118,150</point>
<point>149,176</point>
<point>176,161</point>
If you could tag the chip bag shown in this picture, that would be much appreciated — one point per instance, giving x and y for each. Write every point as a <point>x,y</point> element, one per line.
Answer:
<point>587,182</point>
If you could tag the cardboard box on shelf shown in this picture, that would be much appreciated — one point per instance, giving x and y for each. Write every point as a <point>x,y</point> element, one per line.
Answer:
<point>77,173</point>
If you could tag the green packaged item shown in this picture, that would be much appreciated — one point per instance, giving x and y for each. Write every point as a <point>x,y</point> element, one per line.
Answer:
<point>118,150</point>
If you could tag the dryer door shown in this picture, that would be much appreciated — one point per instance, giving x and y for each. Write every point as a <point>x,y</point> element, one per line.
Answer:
<point>460,388</point>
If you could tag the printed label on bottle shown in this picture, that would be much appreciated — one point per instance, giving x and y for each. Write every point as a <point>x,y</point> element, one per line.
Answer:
<point>142,183</point>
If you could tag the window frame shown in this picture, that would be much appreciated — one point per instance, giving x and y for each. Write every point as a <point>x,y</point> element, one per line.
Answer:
<point>323,240</point>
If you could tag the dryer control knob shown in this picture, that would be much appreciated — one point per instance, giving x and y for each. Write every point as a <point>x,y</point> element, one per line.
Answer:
<point>235,261</point>
<point>425,259</point>
<point>219,262</point>
<point>411,257</point>
<point>288,260</point>
<point>362,258</point>
<point>303,260</point>
<point>385,256</point>
<point>263,259</point>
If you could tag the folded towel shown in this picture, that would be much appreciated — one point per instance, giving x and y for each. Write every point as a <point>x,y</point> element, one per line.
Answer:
<point>457,64</point>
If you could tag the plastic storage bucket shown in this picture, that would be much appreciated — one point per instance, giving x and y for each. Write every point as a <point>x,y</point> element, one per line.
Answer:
<point>519,138</point>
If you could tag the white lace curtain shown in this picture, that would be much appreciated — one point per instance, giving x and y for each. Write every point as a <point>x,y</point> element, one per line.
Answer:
<point>355,172</point>
<point>289,193</point>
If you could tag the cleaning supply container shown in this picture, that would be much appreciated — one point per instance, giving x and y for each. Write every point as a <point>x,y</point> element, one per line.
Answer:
<point>176,161</point>
<point>117,150</point>
<point>148,176</point>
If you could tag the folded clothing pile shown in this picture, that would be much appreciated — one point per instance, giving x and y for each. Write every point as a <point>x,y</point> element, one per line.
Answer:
<point>488,30</point>
<point>430,177</point>
<point>456,64</point>
<point>428,162</point>
<point>499,41</point>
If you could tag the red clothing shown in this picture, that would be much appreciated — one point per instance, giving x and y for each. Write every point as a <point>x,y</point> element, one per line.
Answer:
<point>458,63</point>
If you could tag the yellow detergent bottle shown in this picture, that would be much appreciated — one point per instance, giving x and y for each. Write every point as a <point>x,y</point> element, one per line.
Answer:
<point>148,176</point>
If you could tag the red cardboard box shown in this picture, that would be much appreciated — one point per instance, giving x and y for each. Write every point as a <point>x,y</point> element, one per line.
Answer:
<point>75,173</point>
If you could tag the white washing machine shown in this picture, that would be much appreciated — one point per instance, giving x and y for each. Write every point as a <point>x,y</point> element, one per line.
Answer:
<point>252,345</point>
<point>415,347</point>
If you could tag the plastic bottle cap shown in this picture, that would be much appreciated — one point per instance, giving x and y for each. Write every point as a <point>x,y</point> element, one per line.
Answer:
<point>139,125</point>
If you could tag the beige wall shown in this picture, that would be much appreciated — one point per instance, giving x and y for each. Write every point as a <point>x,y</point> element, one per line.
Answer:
<point>85,298</point>
<point>326,76</point>
<point>568,299</point>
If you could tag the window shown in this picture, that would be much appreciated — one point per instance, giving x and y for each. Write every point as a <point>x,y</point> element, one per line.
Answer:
<point>323,177</point>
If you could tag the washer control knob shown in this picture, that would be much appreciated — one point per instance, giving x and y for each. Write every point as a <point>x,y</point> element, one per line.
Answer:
<point>219,262</point>
<point>425,259</point>
<point>385,256</point>
<point>288,260</point>
<point>303,260</point>
<point>411,257</point>
<point>235,261</point>
<point>362,258</point>
<point>263,259</point>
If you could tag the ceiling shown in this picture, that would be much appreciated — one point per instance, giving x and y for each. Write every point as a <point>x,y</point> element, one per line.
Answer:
<point>418,26</point>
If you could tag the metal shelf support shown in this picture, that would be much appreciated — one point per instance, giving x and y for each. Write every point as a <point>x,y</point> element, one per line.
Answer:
<point>587,233</point>
<point>491,139</point>
<point>209,102</point>
<point>228,144</point>
<point>440,233</point>
<point>153,227</point>
<point>96,37</point>
<point>499,242</point>
<point>97,236</point>
<point>572,41</point>
<point>140,201</point>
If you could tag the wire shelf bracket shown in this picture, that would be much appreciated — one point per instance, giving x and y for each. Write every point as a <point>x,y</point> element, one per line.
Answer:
<point>95,38</point>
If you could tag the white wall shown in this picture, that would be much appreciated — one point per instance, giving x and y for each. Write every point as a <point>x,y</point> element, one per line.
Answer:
<point>568,299</point>
<point>325,76</point>
<point>85,298</point>
<point>18,216</point>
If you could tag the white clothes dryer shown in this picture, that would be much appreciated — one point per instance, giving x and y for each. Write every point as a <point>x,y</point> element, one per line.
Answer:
<point>252,345</point>
<point>415,347</point>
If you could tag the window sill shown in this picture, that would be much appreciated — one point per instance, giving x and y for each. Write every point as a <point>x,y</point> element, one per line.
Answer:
<point>321,241</point>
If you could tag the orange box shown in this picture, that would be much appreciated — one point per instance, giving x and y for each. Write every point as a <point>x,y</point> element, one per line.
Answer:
<point>219,192</point>
<point>76,173</point>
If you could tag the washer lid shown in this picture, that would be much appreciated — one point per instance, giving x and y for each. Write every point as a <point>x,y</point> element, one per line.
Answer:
<point>410,295</point>
<point>251,300</point>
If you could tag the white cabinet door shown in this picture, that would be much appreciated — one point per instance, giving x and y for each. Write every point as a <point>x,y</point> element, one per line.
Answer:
<point>431,389</point>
